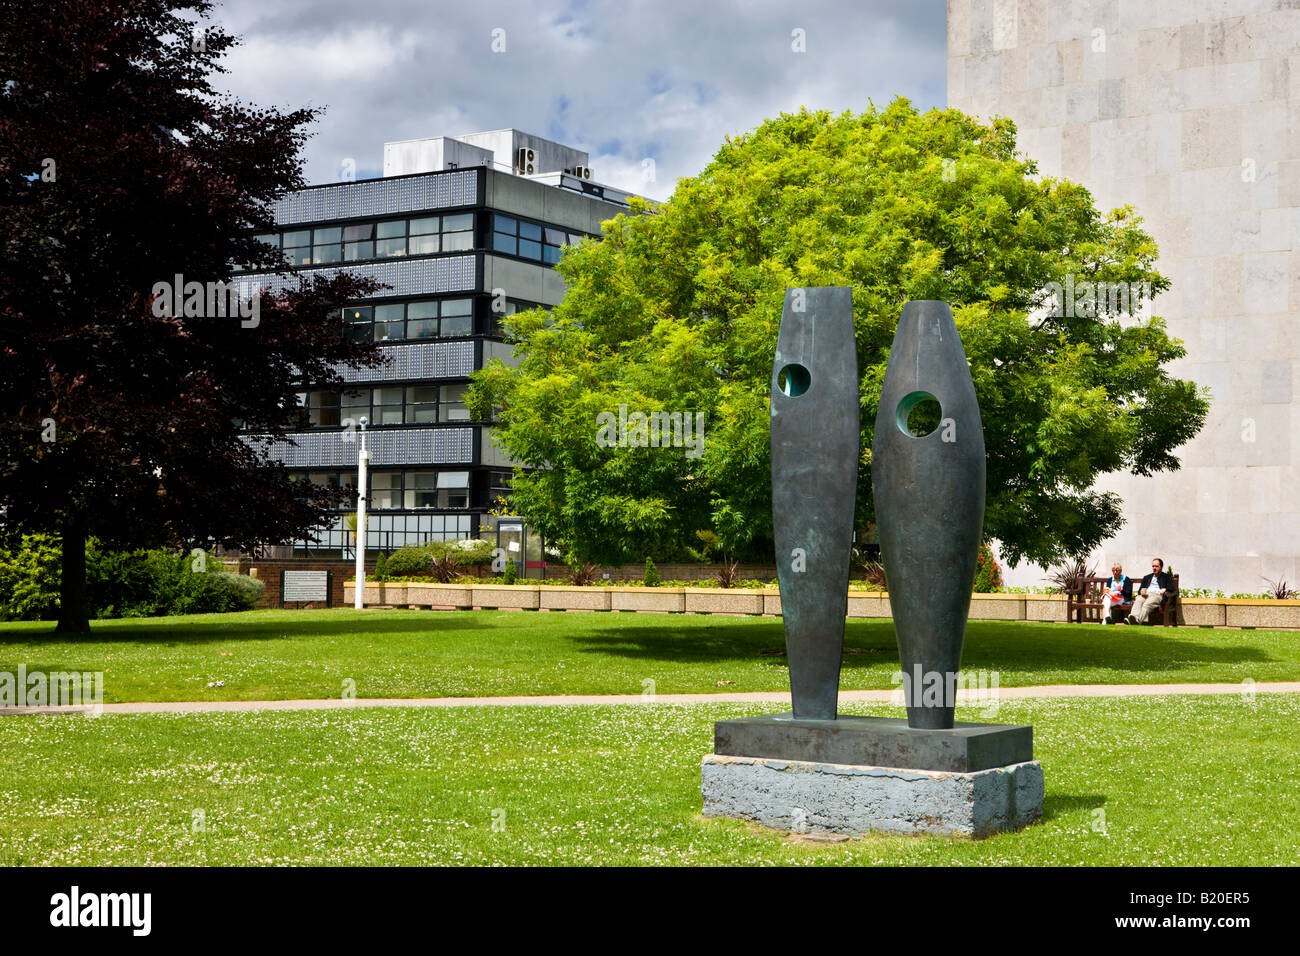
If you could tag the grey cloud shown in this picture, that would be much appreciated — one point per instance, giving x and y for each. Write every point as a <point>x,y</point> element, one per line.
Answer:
<point>625,81</point>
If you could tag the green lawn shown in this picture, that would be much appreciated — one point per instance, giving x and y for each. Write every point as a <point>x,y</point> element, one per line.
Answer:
<point>309,654</point>
<point>1155,780</point>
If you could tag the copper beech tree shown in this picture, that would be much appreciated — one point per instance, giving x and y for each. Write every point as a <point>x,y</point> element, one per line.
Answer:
<point>122,173</point>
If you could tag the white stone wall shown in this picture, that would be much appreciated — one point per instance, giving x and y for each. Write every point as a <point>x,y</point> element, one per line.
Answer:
<point>1190,111</point>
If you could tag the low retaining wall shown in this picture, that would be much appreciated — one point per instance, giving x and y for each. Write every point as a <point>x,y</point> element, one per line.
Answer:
<point>1202,612</point>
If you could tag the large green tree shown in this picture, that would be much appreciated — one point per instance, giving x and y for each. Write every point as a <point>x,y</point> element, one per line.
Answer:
<point>678,308</point>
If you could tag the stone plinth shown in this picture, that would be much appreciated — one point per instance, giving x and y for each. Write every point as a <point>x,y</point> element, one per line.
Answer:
<point>875,741</point>
<point>828,798</point>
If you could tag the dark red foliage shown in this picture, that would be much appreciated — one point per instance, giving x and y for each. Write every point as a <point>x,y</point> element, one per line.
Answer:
<point>147,173</point>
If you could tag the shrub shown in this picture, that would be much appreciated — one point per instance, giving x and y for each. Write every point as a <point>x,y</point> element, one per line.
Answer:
<point>445,568</point>
<point>584,575</point>
<point>135,583</point>
<point>245,592</point>
<point>381,566</point>
<point>409,562</point>
<point>203,592</point>
<point>652,579</point>
<point>29,577</point>
<point>1279,590</point>
<point>874,574</point>
<point>472,550</point>
<point>988,573</point>
<point>727,574</point>
<point>138,583</point>
<point>511,572</point>
<point>1068,576</point>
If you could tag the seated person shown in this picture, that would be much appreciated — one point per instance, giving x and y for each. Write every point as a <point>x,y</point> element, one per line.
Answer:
<point>1150,593</point>
<point>1118,590</point>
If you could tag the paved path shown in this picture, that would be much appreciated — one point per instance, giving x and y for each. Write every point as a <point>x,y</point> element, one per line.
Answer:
<point>778,698</point>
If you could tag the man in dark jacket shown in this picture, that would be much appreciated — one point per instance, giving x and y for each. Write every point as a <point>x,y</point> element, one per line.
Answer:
<point>1151,593</point>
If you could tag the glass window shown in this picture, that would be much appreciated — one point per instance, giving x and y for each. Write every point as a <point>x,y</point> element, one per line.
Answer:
<point>422,322</point>
<point>391,230</point>
<point>327,253</point>
<point>388,322</point>
<point>530,230</point>
<point>423,245</point>
<point>457,325</point>
<point>502,243</point>
<point>387,248</point>
<point>555,237</point>
<point>297,248</point>
<point>457,241</point>
<point>327,245</point>
<point>323,408</point>
<point>453,479</point>
<point>421,404</point>
<point>457,306</point>
<point>504,224</point>
<point>385,489</point>
<point>453,406</point>
<point>354,404</point>
<point>422,329</point>
<point>421,489</point>
<point>550,254</point>
<point>458,223</point>
<point>358,319</point>
<point>387,403</point>
<point>529,249</point>
<point>426,225</point>
<point>359,242</point>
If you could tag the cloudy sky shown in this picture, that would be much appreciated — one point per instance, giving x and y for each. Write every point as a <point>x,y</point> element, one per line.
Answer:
<point>627,81</point>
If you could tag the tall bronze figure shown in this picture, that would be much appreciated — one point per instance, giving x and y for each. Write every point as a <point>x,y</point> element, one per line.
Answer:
<point>929,494</point>
<point>815,442</point>
<point>815,769</point>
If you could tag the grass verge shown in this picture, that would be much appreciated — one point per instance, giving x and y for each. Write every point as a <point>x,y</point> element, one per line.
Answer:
<point>1137,781</point>
<point>276,655</point>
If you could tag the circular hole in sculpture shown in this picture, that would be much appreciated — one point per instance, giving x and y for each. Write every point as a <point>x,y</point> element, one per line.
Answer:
<point>793,380</point>
<point>919,414</point>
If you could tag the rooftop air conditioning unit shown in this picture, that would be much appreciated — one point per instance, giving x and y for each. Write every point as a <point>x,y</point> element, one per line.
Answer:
<point>525,163</point>
<point>582,172</point>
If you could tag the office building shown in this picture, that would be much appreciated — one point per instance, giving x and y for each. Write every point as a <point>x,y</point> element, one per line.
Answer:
<point>461,230</point>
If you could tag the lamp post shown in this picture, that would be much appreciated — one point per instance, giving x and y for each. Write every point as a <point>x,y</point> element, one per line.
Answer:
<point>363,458</point>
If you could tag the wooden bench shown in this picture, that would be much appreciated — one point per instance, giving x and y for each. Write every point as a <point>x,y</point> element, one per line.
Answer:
<point>1084,602</point>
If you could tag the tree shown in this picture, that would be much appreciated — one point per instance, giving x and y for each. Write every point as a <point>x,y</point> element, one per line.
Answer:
<point>677,309</point>
<point>121,169</point>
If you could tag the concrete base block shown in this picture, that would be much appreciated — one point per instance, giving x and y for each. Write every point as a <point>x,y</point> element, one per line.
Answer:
<point>826,798</point>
